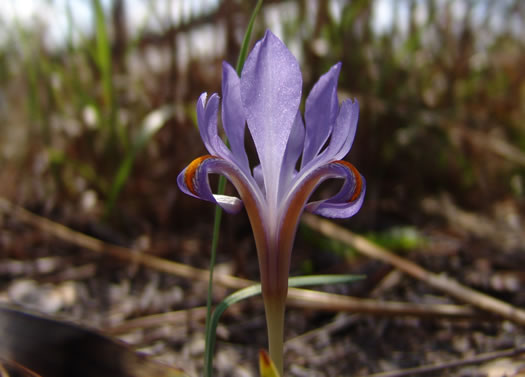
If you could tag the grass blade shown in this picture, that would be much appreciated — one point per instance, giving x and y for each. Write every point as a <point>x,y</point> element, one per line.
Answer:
<point>103,60</point>
<point>218,210</point>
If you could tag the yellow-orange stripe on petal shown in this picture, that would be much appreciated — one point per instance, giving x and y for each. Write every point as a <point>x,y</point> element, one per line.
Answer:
<point>358,180</point>
<point>189,175</point>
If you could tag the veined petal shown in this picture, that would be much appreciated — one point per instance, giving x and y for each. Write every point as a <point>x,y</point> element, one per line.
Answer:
<point>320,113</point>
<point>207,120</point>
<point>344,131</point>
<point>193,180</point>
<point>233,119</point>
<point>258,176</point>
<point>350,197</point>
<point>271,91</point>
<point>292,154</point>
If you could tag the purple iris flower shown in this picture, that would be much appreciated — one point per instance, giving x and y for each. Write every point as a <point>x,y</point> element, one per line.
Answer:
<point>294,158</point>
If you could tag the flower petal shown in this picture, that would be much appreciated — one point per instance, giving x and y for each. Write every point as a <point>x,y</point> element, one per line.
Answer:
<point>350,197</point>
<point>207,120</point>
<point>233,119</point>
<point>292,154</point>
<point>320,113</point>
<point>271,91</point>
<point>344,131</point>
<point>193,180</point>
<point>258,176</point>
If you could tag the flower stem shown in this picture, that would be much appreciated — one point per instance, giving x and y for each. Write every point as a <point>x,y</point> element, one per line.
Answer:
<point>214,244</point>
<point>274,308</point>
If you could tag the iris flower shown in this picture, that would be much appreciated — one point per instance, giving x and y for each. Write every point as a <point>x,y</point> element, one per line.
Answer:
<point>295,157</point>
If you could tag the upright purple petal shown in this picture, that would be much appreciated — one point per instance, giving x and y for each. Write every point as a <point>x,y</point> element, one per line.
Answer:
<point>204,122</point>
<point>233,119</point>
<point>259,179</point>
<point>271,91</point>
<point>292,154</point>
<point>207,120</point>
<point>321,111</point>
<point>344,131</point>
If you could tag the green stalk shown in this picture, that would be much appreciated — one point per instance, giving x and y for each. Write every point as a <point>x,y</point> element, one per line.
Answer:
<point>246,40</point>
<point>210,333</point>
<point>274,309</point>
<point>103,60</point>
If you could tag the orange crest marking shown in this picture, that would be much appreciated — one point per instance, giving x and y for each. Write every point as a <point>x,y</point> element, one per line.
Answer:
<point>358,180</point>
<point>189,175</point>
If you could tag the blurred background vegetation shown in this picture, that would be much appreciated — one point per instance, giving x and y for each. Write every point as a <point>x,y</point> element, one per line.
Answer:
<point>97,119</point>
<point>97,100</point>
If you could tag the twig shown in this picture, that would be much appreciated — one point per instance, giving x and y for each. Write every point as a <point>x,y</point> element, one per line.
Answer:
<point>3,372</point>
<point>342,320</point>
<point>441,282</point>
<point>453,364</point>
<point>18,369</point>
<point>119,252</point>
<point>162,319</point>
<point>302,298</point>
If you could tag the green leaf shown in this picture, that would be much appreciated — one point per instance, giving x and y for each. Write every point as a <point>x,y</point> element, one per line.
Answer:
<point>254,290</point>
<point>104,64</point>
<point>246,41</point>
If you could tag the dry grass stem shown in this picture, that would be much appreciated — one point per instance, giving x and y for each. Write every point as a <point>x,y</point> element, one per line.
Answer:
<point>301,298</point>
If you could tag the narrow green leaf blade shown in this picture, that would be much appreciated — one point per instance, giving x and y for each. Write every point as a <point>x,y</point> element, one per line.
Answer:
<point>298,281</point>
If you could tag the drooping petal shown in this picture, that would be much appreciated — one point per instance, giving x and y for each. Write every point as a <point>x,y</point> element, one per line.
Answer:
<point>320,113</point>
<point>350,197</point>
<point>344,131</point>
<point>292,153</point>
<point>271,91</point>
<point>233,119</point>
<point>207,120</point>
<point>193,180</point>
